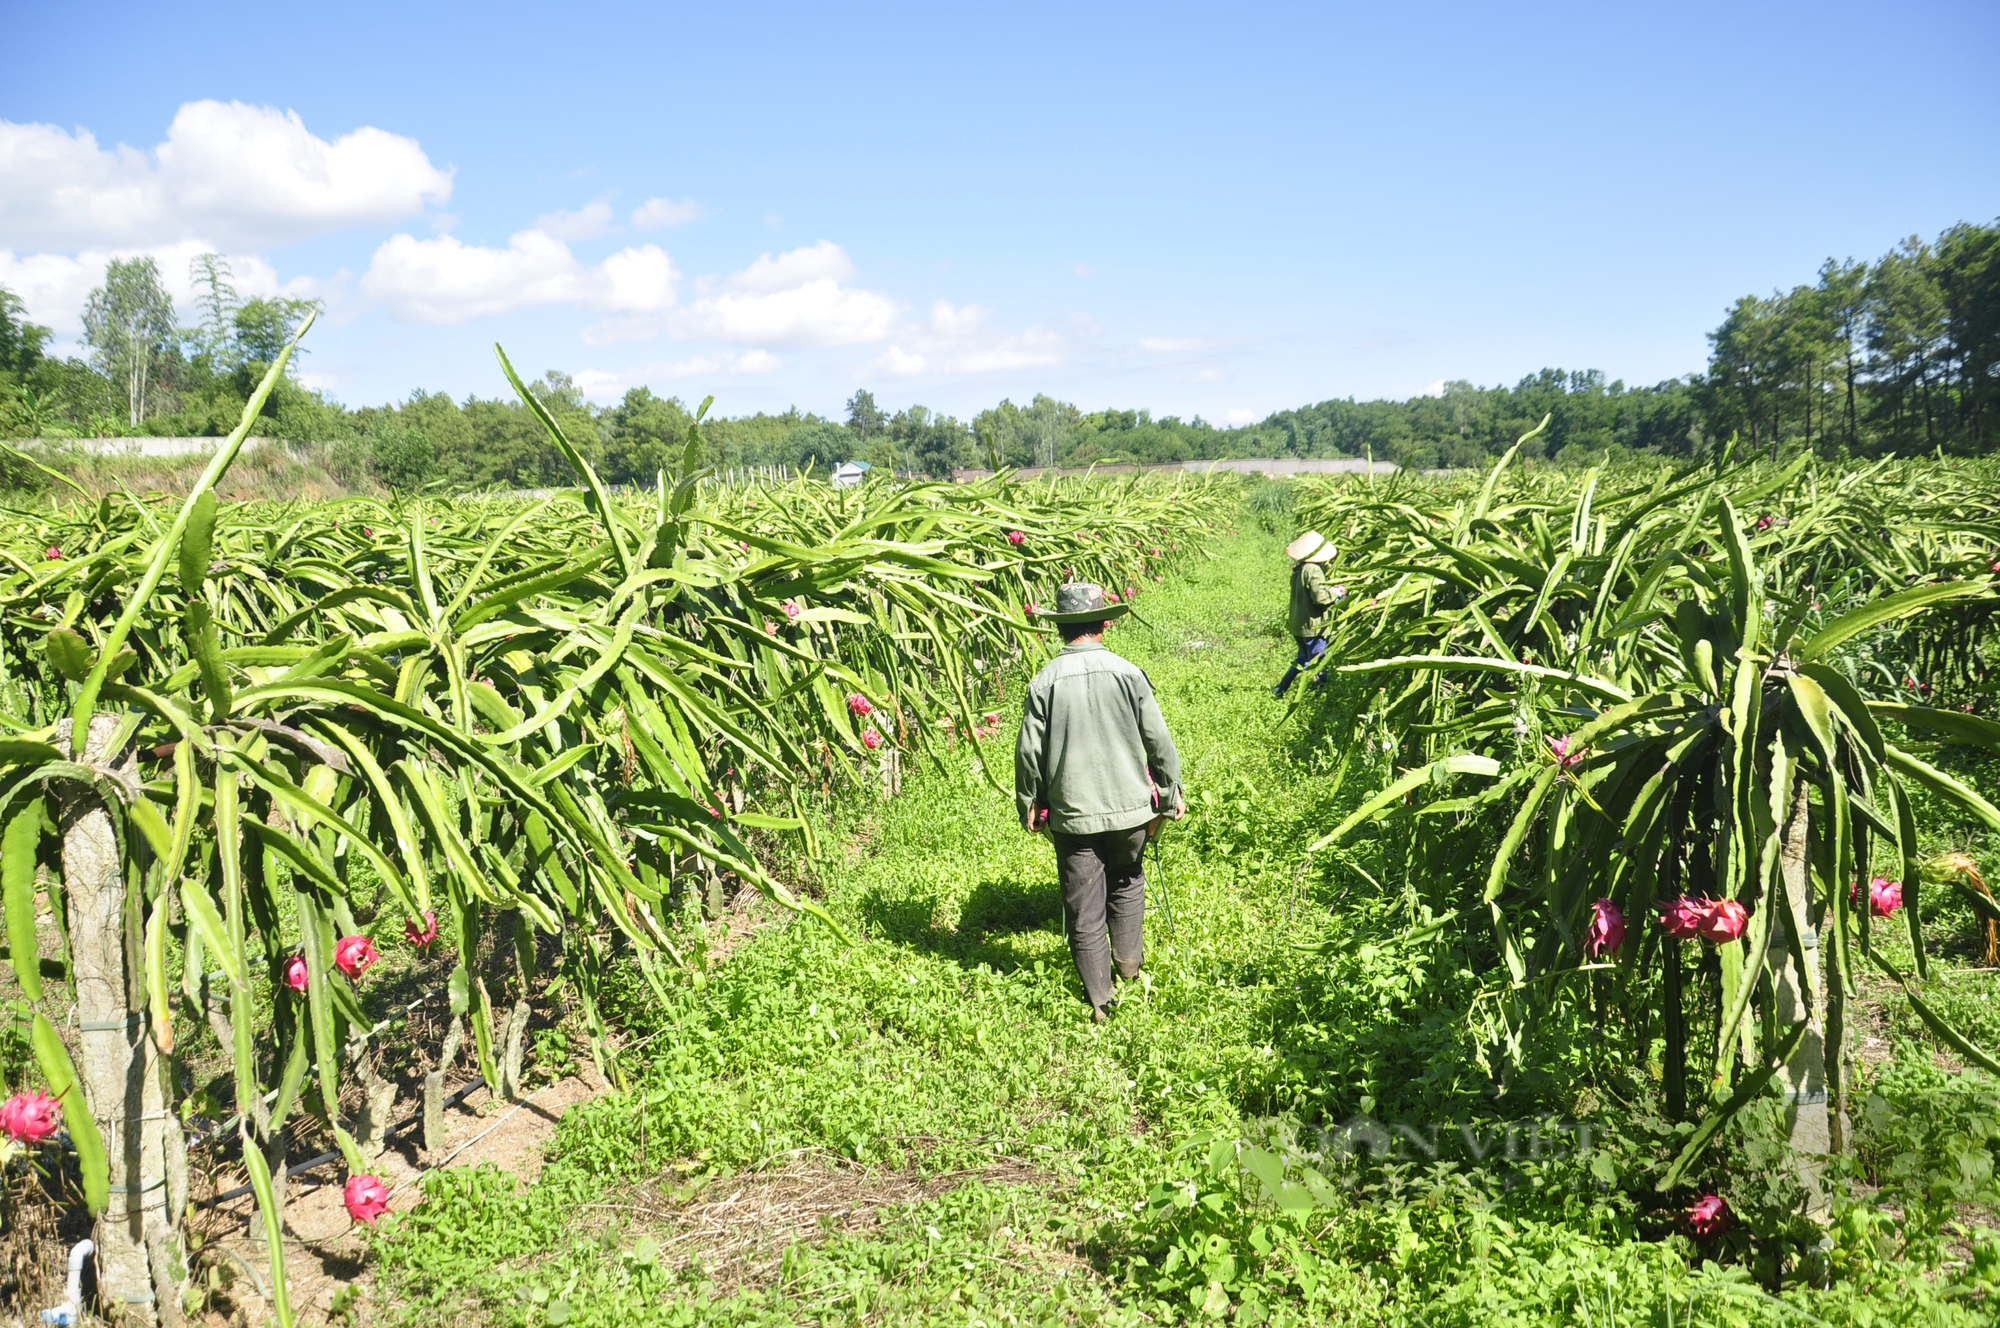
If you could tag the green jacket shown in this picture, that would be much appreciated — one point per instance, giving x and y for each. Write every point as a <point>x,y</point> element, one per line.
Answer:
<point>1093,745</point>
<point>1311,598</point>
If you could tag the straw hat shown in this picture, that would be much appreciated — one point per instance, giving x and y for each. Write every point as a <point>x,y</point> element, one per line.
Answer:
<point>1311,547</point>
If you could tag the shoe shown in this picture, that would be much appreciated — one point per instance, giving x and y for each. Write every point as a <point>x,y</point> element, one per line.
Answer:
<point>1278,692</point>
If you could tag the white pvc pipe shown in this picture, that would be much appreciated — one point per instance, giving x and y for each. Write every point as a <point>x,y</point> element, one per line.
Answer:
<point>66,1313</point>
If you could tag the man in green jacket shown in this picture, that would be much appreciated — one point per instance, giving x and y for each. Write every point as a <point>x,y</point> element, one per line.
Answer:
<point>1095,769</point>
<point>1312,598</point>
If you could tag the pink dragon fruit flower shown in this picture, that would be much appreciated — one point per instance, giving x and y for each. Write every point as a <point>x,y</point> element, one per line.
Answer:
<point>870,739</point>
<point>1607,929</point>
<point>353,954</point>
<point>1567,755</point>
<point>1884,896</point>
<point>1708,1217</point>
<point>1016,537</point>
<point>424,936</point>
<point>53,553</point>
<point>29,1118</point>
<point>1724,921</point>
<point>793,609</point>
<point>857,704</point>
<point>296,973</point>
<point>1681,917</point>
<point>366,1197</point>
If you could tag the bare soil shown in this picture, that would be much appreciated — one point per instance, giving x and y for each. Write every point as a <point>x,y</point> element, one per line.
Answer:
<point>325,1249</point>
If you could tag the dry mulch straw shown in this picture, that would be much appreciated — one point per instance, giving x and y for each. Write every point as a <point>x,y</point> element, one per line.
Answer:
<point>33,1258</point>
<point>738,1228</point>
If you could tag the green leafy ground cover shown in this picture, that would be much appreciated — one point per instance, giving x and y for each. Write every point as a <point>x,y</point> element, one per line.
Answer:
<point>993,1158</point>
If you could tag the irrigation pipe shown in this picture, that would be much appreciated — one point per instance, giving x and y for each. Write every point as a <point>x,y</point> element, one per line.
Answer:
<point>222,1128</point>
<point>256,1278</point>
<point>355,1047</point>
<point>399,1128</point>
<point>473,1140</point>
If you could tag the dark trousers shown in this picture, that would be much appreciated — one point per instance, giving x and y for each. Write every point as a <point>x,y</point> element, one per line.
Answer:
<point>1310,649</point>
<point>1103,877</point>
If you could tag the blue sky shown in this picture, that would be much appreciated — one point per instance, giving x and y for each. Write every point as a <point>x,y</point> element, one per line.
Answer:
<point>1216,209</point>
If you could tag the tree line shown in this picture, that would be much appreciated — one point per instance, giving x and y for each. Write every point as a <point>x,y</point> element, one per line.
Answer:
<point>1899,355</point>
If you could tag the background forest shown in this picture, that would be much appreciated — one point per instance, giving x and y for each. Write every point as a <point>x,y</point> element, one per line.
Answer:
<point>1901,355</point>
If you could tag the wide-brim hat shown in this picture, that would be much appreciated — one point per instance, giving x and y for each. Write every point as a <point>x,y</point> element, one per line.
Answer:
<point>1311,547</point>
<point>1080,601</point>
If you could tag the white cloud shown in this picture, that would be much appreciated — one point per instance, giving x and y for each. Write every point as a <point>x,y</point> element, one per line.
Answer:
<point>445,280</point>
<point>657,212</point>
<point>585,223</point>
<point>1031,349</point>
<point>230,174</point>
<point>819,313</point>
<point>1242,416</point>
<point>1434,389</point>
<point>899,363</point>
<point>962,321</point>
<point>606,385</point>
<point>637,280</point>
<point>1084,270</point>
<point>1174,345</point>
<point>957,340</point>
<point>54,287</point>
<point>698,367</point>
<point>632,327</point>
<point>1208,375</point>
<point>753,362</point>
<point>795,299</point>
<point>598,384</point>
<point>825,261</point>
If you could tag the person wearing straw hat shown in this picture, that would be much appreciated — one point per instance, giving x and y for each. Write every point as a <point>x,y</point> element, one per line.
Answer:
<point>1095,769</point>
<point>1312,597</point>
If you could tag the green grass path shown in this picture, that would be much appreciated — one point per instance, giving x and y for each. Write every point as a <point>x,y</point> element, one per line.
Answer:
<point>1017,1160</point>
